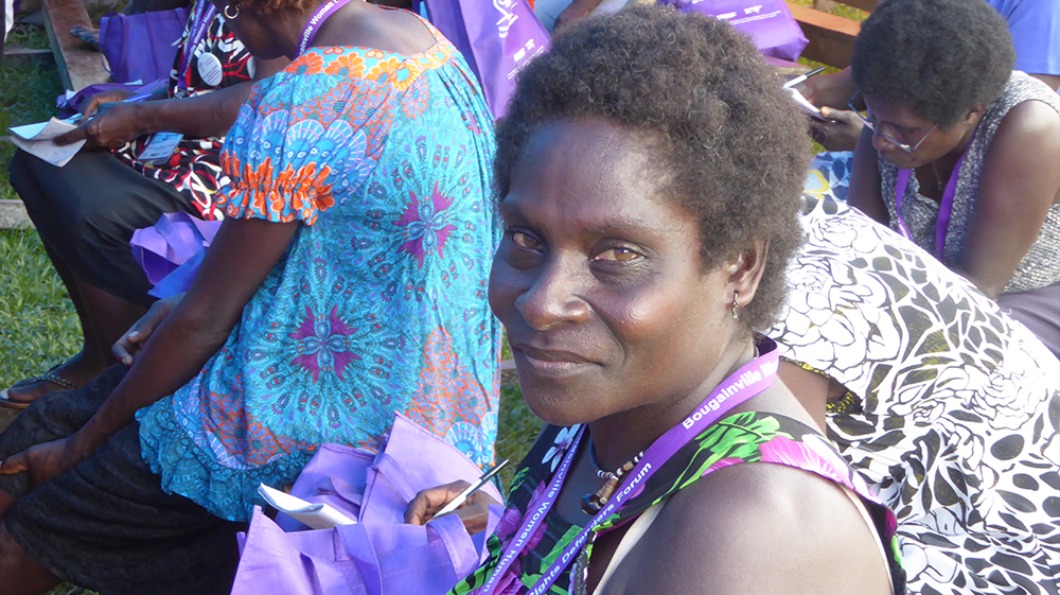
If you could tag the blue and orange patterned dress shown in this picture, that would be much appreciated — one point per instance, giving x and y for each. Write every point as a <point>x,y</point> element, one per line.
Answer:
<point>379,305</point>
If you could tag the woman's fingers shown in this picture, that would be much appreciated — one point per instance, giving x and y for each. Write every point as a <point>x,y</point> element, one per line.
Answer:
<point>428,502</point>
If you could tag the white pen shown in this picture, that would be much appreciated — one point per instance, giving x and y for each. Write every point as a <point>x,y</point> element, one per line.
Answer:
<point>801,78</point>
<point>471,489</point>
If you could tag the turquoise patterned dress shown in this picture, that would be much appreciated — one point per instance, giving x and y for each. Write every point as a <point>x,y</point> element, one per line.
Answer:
<point>379,305</point>
<point>740,438</point>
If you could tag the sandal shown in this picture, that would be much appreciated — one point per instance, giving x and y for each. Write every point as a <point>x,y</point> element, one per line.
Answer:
<point>50,376</point>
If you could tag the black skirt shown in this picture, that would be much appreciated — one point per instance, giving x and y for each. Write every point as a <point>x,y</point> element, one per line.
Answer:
<point>107,524</point>
<point>87,210</point>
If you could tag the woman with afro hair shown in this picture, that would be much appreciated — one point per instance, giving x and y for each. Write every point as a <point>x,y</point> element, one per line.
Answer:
<point>960,153</point>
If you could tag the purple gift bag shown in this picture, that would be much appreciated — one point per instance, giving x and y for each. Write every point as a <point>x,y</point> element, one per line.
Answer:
<point>141,46</point>
<point>769,23</point>
<point>380,553</point>
<point>497,39</point>
<point>177,241</point>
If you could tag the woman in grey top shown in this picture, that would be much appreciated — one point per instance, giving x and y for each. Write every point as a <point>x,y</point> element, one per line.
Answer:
<point>961,154</point>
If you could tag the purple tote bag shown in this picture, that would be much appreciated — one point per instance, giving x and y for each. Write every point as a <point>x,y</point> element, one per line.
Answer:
<point>497,38</point>
<point>769,23</point>
<point>380,554</point>
<point>141,46</point>
<point>170,251</point>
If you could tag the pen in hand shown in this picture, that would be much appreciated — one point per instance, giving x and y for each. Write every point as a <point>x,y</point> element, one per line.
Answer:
<point>802,77</point>
<point>74,119</point>
<point>471,489</point>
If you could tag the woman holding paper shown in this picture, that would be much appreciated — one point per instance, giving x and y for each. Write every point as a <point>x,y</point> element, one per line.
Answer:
<point>346,283</point>
<point>640,255</point>
<point>86,211</point>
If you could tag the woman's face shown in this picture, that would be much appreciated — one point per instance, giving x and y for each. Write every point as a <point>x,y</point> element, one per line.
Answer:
<point>895,121</point>
<point>599,281</point>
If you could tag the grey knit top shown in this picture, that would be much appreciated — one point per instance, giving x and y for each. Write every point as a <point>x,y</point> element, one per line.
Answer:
<point>1041,265</point>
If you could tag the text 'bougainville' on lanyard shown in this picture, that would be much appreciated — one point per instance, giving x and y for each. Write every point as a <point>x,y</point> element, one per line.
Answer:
<point>750,380</point>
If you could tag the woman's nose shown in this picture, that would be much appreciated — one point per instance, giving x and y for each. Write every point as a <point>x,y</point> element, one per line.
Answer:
<point>554,298</point>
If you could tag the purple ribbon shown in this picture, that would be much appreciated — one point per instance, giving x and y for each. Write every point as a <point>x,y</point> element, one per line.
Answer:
<point>750,380</point>
<point>942,224</point>
<point>205,12</point>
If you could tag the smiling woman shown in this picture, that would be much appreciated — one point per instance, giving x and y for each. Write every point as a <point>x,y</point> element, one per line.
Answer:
<point>643,247</point>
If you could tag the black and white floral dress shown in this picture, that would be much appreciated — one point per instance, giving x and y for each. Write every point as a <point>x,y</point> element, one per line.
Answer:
<point>952,409</point>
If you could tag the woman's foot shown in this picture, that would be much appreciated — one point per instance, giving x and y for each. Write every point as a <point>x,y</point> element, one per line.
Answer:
<point>66,376</point>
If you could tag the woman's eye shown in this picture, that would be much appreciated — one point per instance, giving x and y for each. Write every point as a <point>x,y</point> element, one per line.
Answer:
<point>524,240</point>
<point>618,255</point>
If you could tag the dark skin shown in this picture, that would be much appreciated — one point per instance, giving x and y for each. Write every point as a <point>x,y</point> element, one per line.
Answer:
<point>831,92</point>
<point>110,124</point>
<point>1014,194</point>
<point>169,350</point>
<point>606,301</point>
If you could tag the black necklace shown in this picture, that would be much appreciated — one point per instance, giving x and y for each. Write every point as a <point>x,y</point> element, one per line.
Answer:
<point>592,503</point>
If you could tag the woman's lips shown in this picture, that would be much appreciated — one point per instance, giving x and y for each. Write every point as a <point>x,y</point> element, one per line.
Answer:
<point>550,362</point>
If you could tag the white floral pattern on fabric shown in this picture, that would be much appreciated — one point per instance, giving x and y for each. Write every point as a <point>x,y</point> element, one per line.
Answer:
<point>958,426</point>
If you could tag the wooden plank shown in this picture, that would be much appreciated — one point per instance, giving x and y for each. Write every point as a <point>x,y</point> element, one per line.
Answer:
<point>79,66</point>
<point>831,37</point>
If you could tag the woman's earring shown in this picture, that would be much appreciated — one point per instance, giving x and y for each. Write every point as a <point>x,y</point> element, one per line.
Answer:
<point>230,11</point>
<point>735,309</point>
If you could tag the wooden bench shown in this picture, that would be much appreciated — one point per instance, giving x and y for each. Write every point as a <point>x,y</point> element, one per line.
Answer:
<point>831,36</point>
<point>79,65</point>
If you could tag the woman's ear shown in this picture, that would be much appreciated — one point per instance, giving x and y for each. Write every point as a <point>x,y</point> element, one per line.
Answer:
<point>745,271</point>
<point>974,114</point>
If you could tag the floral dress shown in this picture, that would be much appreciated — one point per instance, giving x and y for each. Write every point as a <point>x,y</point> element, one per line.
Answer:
<point>379,305</point>
<point>740,438</point>
<point>194,166</point>
<point>952,410</point>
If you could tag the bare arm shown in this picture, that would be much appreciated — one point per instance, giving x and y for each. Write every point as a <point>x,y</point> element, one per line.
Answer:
<point>757,528</point>
<point>238,261</point>
<point>865,193</point>
<point>201,116</point>
<point>1018,184</point>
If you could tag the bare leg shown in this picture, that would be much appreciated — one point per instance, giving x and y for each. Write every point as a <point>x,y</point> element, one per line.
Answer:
<point>6,502</point>
<point>19,574</point>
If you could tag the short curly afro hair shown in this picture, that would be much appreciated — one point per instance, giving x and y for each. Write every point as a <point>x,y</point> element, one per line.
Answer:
<point>732,147</point>
<point>939,57</point>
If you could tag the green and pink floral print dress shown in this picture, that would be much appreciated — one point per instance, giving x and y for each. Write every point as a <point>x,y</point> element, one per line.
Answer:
<point>738,439</point>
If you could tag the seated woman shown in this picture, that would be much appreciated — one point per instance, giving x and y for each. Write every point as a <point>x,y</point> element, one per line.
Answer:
<point>945,405</point>
<point>644,244</point>
<point>86,211</point>
<point>347,283</point>
<point>962,160</point>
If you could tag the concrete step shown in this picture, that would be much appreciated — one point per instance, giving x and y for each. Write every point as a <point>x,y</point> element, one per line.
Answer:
<point>13,215</point>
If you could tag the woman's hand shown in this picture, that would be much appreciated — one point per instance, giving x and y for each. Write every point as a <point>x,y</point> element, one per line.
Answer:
<point>840,132</point>
<point>47,460</point>
<point>111,125</point>
<point>474,512</point>
<point>91,106</point>
<point>833,90</point>
<point>132,342</point>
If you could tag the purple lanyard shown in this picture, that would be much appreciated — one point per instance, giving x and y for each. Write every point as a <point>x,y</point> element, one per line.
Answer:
<point>942,224</point>
<point>750,380</point>
<point>312,26</point>
<point>205,12</point>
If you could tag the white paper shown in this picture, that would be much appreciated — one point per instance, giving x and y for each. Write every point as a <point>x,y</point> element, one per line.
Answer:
<point>805,105</point>
<point>36,139</point>
<point>316,516</point>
